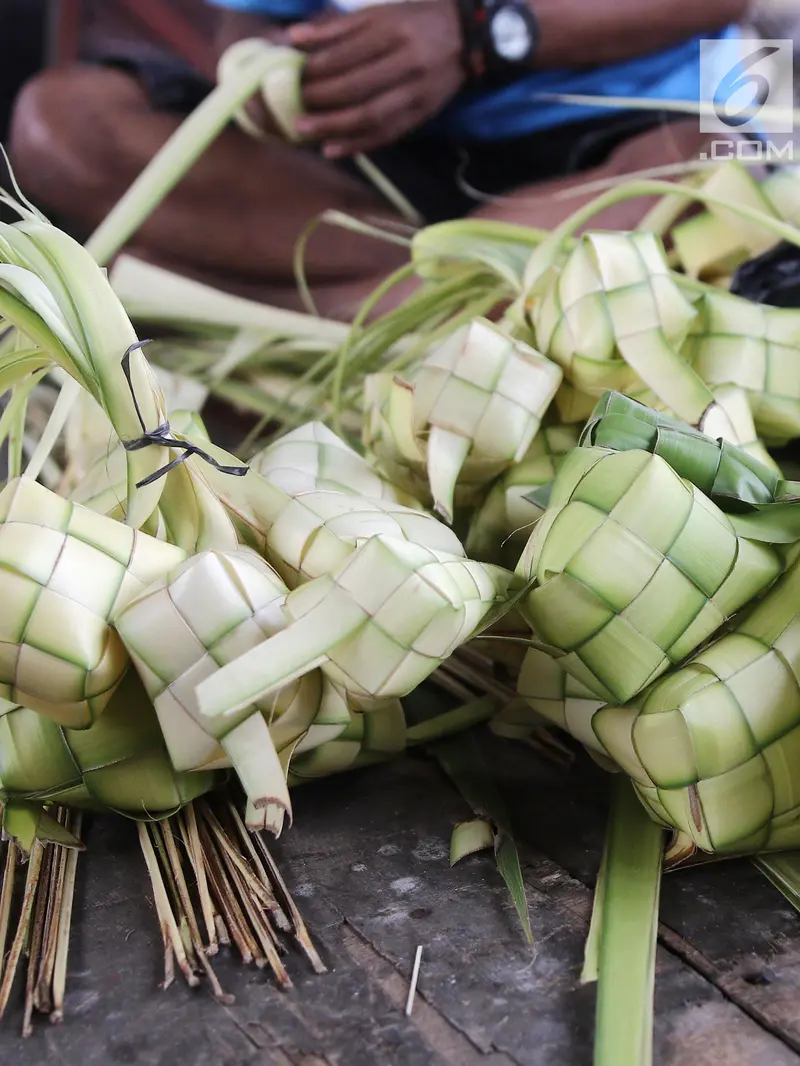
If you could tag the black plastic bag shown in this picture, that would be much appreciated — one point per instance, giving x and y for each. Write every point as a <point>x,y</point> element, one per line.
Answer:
<point>772,278</point>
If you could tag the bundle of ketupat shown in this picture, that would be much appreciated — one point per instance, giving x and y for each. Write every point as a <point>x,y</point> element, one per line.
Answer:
<point>169,583</point>
<point>681,737</point>
<point>309,596</point>
<point>712,748</point>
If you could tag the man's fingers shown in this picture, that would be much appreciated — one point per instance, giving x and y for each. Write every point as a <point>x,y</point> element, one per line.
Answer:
<point>324,30</point>
<point>356,85</point>
<point>345,56</point>
<point>368,142</point>
<point>382,110</point>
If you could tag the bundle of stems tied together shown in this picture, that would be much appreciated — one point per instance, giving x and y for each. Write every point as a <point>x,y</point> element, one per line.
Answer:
<point>567,515</point>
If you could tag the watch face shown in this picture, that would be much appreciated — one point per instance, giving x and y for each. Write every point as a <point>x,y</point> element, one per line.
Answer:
<point>511,35</point>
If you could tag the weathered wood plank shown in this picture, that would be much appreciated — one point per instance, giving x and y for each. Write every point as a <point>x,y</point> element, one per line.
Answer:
<point>537,1012</point>
<point>724,919</point>
<point>368,862</point>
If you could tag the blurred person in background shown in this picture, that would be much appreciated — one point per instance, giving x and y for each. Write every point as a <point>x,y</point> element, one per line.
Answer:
<point>22,42</point>
<point>452,100</point>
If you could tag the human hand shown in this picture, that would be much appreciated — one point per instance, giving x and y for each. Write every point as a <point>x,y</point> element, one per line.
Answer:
<point>374,75</point>
<point>235,26</point>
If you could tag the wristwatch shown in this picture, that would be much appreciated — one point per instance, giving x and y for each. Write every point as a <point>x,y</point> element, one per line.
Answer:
<point>500,37</point>
<point>511,35</point>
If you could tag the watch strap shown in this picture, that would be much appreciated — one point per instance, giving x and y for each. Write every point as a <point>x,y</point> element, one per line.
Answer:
<point>472,15</point>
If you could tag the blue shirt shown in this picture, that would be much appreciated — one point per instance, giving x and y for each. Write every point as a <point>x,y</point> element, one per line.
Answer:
<point>526,105</point>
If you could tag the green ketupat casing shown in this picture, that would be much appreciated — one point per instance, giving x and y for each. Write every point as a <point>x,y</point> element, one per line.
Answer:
<point>634,567</point>
<point>119,763</point>
<point>713,748</point>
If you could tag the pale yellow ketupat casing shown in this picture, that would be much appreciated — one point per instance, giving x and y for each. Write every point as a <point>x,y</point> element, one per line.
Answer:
<point>613,317</point>
<point>204,613</point>
<point>64,571</point>
<point>313,457</point>
<point>469,412</point>
<point>377,624</point>
<point>304,531</point>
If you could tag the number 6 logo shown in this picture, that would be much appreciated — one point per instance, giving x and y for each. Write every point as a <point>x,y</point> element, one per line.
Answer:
<point>740,77</point>
<point>747,85</point>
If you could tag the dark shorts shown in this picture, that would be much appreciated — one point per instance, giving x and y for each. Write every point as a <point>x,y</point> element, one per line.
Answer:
<point>445,180</point>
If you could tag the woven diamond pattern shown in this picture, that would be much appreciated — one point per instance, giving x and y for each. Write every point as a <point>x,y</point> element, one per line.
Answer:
<point>417,607</point>
<point>485,388</point>
<point>120,762</point>
<point>247,598</point>
<point>312,457</point>
<point>64,570</point>
<point>736,342</point>
<point>625,536</point>
<point>317,530</point>
<point>713,748</point>
<point>613,294</point>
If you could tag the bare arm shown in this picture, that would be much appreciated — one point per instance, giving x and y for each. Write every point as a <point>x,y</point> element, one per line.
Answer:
<point>376,73</point>
<point>588,32</point>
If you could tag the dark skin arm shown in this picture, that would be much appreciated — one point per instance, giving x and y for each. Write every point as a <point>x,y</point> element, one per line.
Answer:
<point>376,74</point>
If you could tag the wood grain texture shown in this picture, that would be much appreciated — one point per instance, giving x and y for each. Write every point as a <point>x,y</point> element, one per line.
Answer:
<point>368,862</point>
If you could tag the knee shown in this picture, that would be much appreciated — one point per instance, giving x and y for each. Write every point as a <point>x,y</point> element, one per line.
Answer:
<point>42,123</point>
<point>62,132</point>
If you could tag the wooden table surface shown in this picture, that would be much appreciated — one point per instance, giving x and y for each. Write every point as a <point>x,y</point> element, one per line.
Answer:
<point>368,862</point>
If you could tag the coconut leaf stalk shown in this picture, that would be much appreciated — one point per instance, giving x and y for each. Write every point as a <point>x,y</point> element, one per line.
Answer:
<point>625,930</point>
<point>54,293</point>
<point>440,251</point>
<point>56,296</point>
<point>159,297</point>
